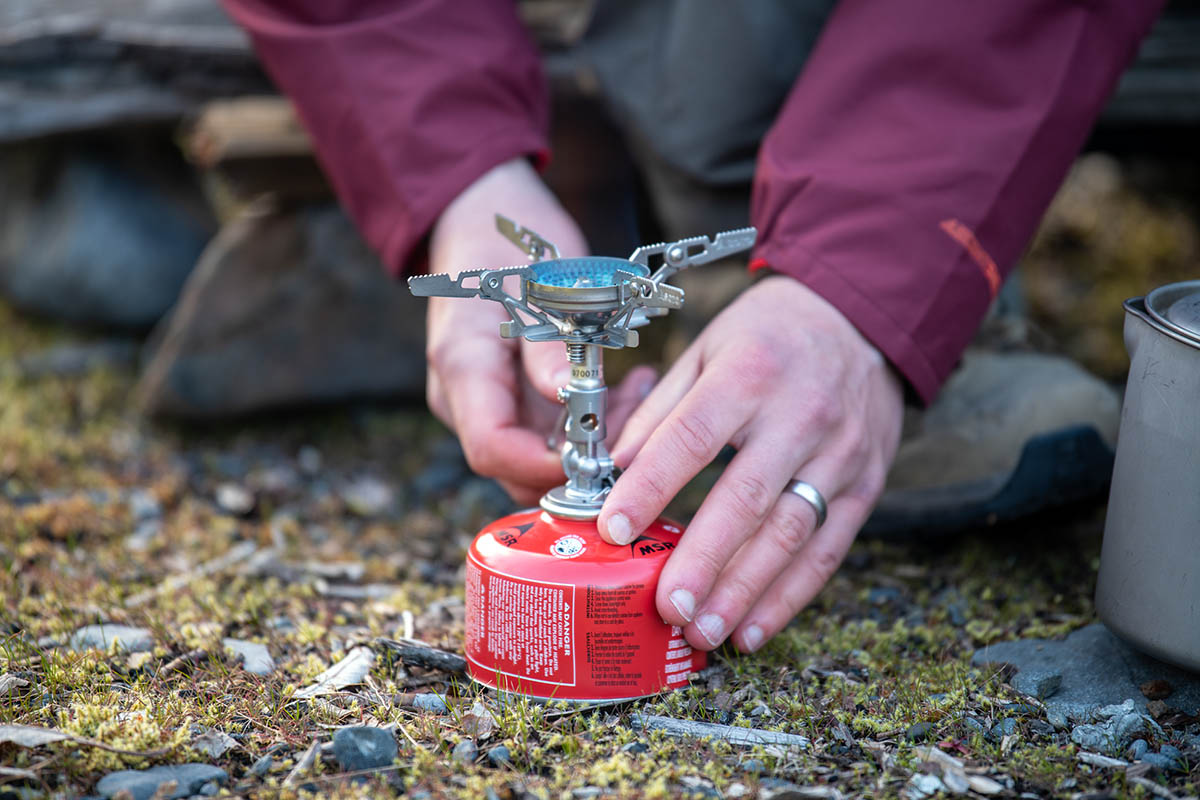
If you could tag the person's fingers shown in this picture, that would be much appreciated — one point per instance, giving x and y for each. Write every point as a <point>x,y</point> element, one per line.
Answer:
<point>625,397</point>
<point>655,408</point>
<point>435,398</point>
<point>804,577</point>
<point>724,601</point>
<point>686,441</point>
<point>522,495</point>
<point>546,366</point>
<point>732,513</point>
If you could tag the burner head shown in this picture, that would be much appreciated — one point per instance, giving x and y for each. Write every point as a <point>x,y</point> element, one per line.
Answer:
<point>589,288</point>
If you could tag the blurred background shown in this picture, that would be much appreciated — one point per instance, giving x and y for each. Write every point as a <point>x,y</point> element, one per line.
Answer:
<point>163,222</point>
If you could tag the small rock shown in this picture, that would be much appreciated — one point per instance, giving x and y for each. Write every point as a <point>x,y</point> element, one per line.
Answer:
<point>1116,710</point>
<point>500,756</point>
<point>368,496</point>
<point>919,731</point>
<point>234,499</point>
<point>143,505</point>
<point>256,659</point>
<point>973,725</point>
<point>760,710</point>
<point>1005,727</point>
<point>211,742</point>
<point>142,784</point>
<point>1157,709</point>
<point>465,752</point>
<point>1171,751</point>
<point>882,595</point>
<point>1021,708</point>
<point>920,786</point>
<point>262,766</point>
<point>360,748</point>
<point>144,534</point>
<point>1127,727</point>
<point>737,790</point>
<point>101,637</point>
<point>1040,727</point>
<point>1092,737</point>
<point>956,782</point>
<point>1138,749</point>
<point>1162,762</point>
<point>432,702</point>
<point>635,747</point>
<point>1157,689</point>
<point>309,460</point>
<point>1037,682</point>
<point>209,789</point>
<point>753,766</point>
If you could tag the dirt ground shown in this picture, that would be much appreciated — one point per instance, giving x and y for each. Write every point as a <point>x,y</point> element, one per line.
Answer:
<point>314,534</point>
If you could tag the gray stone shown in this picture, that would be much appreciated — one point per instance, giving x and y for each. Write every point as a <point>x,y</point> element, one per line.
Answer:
<point>1005,727</point>
<point>1041,727</point>
<point>235,499</point>
<point>262,766</point>
<point>753,766</point>
<point>1097,669</point>
<point>1165,763</point>
<point>1138,748</point>
<point>500,756</point>
<point>635,747</point>
<point>362,748</point>
<point>79,358</point>
<point>101,637</point>
<point>432,702</point>
<point>284,308</point>
<point>1038,683</point>
<point>142,784</point>
<point>209,789</point>
<point>143,505</point>
<point>256,659</point>
<point>974,725</point>
<point>919,731</point>
<point>465,752</point>
<point>1171,751</point>
<point>920,786</point>
<point>1097,738</point>
<point>92,238</point>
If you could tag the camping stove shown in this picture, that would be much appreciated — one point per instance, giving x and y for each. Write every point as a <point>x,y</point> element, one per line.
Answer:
<point>552,610</point>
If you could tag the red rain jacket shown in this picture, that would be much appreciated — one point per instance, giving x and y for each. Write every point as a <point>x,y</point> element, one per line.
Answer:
<point>901,180</point>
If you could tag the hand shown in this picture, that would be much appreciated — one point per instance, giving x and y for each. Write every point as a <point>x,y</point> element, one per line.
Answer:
<point>782,376</point>
<point>497,394</point>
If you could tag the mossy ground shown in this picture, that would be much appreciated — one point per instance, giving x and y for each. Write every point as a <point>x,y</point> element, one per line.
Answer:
<point>886,646</point>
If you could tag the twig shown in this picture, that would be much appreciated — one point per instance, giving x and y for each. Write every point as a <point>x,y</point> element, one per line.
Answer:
<point>419,654</point>
<point>304,764</point>
<point>178,663</point>
<point>687,729</point>
<point>1152,787</point>
<point>1097,760</point>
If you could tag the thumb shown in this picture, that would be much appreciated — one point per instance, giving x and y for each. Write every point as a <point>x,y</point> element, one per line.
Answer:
<point>546,366</point>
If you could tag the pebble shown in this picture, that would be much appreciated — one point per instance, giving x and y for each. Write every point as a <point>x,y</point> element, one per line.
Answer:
<point>919,731</point>
<point>635,747</point>
<point>101,637</point>
<point>1138,749</point>
<point>262,766</point>
<point>234,499</point>
<point>753,766</point>
<point>974,725</point>
<point>1038,682</point>
<point>882,595</point>
<point>368,496</point>
<point>144,534</point>
<point>500,756</point>
<point>1171,751</point>
<point>143,505</point>
<point>142,784</point>
<point>309,460</point>
<point>1157,689</point>
<point>256,659</point>
<point>1092,737</point>
<point>1021,708</point>
<point>1161,762</point>
<point>920,786</point>
<point>209,789</point>
<point>1005,727</point>
<point>361,748</point>
<point>432,702</point>
<point>465,752</point>
<point>1041,728</point>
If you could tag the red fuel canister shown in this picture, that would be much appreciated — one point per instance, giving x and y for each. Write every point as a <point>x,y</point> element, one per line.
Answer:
<point>555,612</point>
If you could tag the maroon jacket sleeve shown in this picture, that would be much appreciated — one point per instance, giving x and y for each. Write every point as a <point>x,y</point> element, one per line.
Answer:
<point>918,150</point>
<point>407,101</point>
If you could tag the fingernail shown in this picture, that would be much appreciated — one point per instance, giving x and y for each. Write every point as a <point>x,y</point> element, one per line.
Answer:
<point>619,529</point>
<point>753,637</point>
<point>712,628</point>
<point>684,603</point>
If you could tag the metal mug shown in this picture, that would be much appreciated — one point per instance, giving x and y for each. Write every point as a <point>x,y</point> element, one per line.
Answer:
<point>1148,590</point>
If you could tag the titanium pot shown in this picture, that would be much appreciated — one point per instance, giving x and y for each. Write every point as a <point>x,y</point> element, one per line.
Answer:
<point>1148,591</point>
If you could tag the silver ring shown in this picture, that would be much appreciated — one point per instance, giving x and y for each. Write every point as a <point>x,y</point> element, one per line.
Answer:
<point>809,493</point>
